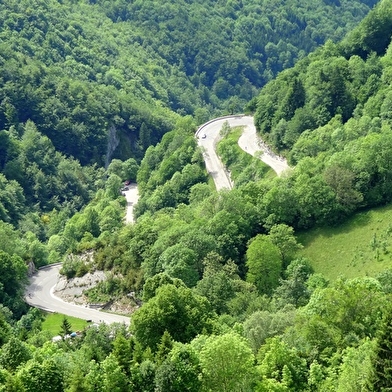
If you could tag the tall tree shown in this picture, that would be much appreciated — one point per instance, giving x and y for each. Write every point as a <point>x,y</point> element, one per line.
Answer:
<point>264,264</point>
<point>65,328</point>
<point>227,364</point>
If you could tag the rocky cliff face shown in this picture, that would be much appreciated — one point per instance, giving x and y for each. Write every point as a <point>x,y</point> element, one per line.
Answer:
<point>72,290</point>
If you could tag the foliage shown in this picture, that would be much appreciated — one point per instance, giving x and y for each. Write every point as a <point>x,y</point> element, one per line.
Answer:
<point>226,363</point>
<point>262,325</point>
<point>280,367</point>
<point>218,282</point>
<point>13,354</point>
<point>40,377</point>
<point>97,82</point>
<point>65,328</point>
<point>351,308</point>
<point>251,48</point>
<point>151,286</point>
<point>180,371</point>
<point>264,264</point>
<point>12,280</point>
<point>294,289</point>
<point>358,247</point>
<point>175,310</point>
<point>168,171</point>
<point>330,113</point>
<point>356,369</point>
<point>381,379</point>
<point>243,167</point>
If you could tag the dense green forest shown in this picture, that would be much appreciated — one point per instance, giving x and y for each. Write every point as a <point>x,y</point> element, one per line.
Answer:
<point>93,93</point>
<point>81,70</point>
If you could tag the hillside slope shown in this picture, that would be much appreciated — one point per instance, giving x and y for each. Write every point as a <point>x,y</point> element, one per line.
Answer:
<point>87,70</point>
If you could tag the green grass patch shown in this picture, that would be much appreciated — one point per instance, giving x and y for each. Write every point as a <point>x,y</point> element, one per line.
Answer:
<point>243,166</point>
<point>53,321</point>
<point>362,246</point>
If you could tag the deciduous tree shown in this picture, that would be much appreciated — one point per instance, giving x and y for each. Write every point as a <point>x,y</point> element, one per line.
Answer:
<point>264,264</point>
<point>176,310</point>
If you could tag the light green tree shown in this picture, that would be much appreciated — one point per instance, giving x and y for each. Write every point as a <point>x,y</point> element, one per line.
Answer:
<point>281,366</point>
<point>42,377</point>
<point>114,379</point>
<point>356,370</point>
<point>264,264</point>
<point>227,364</point>
<point>14,353</point>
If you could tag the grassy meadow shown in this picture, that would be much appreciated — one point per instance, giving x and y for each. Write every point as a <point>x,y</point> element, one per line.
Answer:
<point>362,246</point>
<point>53,321</point>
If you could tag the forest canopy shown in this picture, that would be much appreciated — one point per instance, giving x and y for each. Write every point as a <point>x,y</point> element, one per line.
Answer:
<point>97,94</point>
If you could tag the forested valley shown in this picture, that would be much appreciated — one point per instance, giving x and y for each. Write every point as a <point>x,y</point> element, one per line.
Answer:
<point>95,93</point>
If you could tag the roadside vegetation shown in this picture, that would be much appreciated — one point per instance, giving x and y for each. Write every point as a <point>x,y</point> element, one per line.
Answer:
<point>243,167</point>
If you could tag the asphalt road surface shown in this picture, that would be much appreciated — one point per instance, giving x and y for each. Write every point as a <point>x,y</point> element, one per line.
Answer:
<point>132,197</point>
<point>40,293</point>
<point>208,136</point>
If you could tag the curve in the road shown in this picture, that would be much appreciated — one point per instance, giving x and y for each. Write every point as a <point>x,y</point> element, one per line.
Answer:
<point>208,136</point>
<point>40,294</point>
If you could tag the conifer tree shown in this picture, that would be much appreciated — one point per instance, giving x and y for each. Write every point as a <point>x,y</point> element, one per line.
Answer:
<point>164,347</point>
<point>66,328</point>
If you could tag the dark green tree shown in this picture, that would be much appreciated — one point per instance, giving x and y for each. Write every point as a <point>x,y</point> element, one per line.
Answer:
<point>176,310</point>
<point>65,328</point>
<point>164,347</point>
<point>179,372</point>
<point>382,379</point>
<point>123,352</point>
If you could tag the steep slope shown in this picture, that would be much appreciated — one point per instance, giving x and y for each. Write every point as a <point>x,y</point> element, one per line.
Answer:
<point>87,70</point>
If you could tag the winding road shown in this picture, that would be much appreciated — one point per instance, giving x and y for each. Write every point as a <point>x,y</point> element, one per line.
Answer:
<point>40,292</point>
<point>249,142</point>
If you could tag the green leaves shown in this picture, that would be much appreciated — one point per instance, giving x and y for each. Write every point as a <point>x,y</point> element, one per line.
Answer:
<point>264,264</point>
<point>13,276</point>
<point>227,363</point>
<point>176,310</point>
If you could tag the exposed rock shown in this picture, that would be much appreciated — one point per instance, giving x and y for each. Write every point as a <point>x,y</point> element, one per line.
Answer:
<point>72,290</point>
<point>31,269</point>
